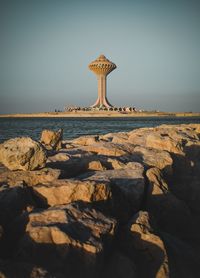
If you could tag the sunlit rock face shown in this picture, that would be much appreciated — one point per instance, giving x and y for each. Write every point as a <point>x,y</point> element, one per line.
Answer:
<point>102,67</point>
<point>117,205</point>
<point>22,153</point>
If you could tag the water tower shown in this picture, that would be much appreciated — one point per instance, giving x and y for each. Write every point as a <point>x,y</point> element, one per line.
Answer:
<point>102,67</point>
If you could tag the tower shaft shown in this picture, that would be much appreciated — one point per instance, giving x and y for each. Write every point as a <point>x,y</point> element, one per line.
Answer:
<point>101,99</point>
<point>102,67</point>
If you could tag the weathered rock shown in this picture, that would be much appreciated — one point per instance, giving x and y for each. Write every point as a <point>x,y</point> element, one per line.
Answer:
<point>147,248</point>
<point>70,168</point>
<point>52,139</point>
<point>66,237</point>
<point>115,137</point>
<point>127,187</point>
<point>195,127</point>
<point>165,137</point>
<point>66,191</point>
<point>113,163</point>
<point>22,154</point>
<point>77,165</point>
<point>108,149</point>
<point>156,169</point>
<point>96,165</point>
<point>61,156</point>
<point>120,138</point>
<point>86,140</point>
<point>152,157</point>
<point>171,213</point>
<point>138,136</point>
<point>31,178</point>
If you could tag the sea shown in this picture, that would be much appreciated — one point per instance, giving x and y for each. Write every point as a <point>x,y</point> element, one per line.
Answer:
<point>75,127</point>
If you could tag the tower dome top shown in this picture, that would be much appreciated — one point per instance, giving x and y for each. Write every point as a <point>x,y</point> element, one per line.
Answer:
<point>102,65</point>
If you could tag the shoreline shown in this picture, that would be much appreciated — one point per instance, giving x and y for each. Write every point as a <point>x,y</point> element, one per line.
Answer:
<point>101,114</point>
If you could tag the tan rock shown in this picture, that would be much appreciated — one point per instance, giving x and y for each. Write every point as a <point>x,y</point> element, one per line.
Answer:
<point>156,158</point>
<point>107,149</point>
<point>127,187</point>
<point>96,165</point>
<point>71,235</point>
<point>121,138</point>
<point>61,156</point>
<point>165,137</point>
<point>138,136</point>
<point>163,142</point>
<point>31,178</point>
<point>115,163</point>
<point>86,140</point>
<point>147,248</point>
<point>66,191</point>
<point>52,139</point>
<point>22,153</point>
<point>196,128</point>
<point>114,136</point>
<point>77,164</point>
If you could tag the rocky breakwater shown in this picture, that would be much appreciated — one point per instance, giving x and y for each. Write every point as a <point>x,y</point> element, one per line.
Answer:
<point>115,205</point>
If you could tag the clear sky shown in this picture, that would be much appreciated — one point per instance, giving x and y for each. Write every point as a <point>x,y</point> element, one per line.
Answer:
<point>46,46</point>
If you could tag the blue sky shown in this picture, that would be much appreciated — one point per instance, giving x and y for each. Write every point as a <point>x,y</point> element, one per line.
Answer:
<point>46,46</point>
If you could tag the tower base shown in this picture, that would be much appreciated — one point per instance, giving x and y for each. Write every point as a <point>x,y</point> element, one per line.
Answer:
<point>101,103</point>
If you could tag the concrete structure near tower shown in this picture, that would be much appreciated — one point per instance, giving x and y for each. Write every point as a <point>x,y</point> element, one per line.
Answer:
<point>102,67</point>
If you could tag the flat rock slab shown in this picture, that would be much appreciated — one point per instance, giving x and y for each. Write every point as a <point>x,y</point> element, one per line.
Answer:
<point>66,191</point>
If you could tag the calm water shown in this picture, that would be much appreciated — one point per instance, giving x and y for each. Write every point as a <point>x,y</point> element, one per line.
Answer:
<point>74,127</point>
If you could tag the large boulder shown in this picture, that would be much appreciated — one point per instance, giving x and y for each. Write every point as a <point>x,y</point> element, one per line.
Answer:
<point>72,238</point>
<point>127,186</point>
<point>52,139</point>
<point>66,191</point>
<point>22,153</point>
<point>146,248</point>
